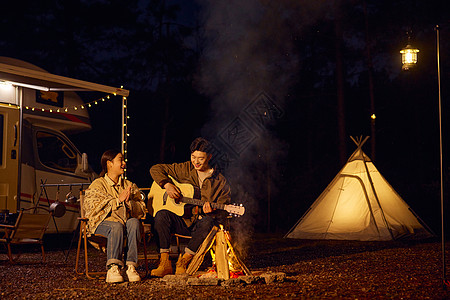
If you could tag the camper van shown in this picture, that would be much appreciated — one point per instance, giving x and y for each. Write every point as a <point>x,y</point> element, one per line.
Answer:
<point>39,165</point>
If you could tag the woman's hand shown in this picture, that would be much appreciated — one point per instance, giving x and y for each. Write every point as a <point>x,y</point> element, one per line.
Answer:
<point>172,190</point>
<point>125,195</point>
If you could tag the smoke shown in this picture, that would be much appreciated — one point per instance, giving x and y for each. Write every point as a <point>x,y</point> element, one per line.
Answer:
<point>247,50</point>
<point>248,64</point>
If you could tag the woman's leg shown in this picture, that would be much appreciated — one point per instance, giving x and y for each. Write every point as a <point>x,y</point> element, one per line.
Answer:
<point>113,231</point>
<point>133,238</point>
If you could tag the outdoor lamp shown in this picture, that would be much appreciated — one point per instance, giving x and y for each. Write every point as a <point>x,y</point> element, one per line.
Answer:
<point>409,57</point>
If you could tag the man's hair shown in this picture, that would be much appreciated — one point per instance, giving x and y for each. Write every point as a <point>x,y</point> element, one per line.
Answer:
<point>200,144</point>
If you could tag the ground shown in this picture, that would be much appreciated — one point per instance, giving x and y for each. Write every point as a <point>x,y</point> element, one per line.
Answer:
<point>314,269</point>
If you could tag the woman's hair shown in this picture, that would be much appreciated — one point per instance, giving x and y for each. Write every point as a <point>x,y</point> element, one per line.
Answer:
<point>108,155</point>
<point>200,144</point>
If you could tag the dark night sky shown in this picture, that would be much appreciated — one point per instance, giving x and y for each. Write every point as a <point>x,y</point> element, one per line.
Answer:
<point>214,63</point>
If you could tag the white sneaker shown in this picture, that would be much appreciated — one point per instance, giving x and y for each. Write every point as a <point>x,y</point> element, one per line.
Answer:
<point>113,275</point>
<point>132,274</point>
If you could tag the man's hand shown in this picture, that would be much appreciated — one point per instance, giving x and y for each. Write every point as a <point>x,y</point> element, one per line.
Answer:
<point>125,195</point>
<point>207,208</point>
<point>172,190</point>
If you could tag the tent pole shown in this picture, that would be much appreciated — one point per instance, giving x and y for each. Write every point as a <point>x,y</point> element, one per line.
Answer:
<point>363,186</point>
<point>376,197</point>
<point>360,144</point>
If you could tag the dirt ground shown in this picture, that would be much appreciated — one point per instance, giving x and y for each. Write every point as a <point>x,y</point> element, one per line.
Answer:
<point>314,269</point>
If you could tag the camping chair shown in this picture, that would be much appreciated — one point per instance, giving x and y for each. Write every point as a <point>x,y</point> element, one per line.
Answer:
<point>99,240</point>
<point>28,229</point>
<point>178,238</point>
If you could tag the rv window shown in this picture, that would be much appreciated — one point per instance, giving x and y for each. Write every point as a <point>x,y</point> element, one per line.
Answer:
<point>1,140</point>
<point>55,153</point>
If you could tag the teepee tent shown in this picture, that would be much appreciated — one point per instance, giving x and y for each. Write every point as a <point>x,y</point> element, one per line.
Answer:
<point>359,204</point>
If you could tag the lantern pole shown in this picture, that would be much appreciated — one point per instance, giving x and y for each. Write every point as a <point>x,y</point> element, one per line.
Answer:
<point>409,59</point>
<point>444,278</point>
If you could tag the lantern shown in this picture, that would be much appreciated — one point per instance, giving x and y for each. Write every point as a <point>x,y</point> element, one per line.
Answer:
<point>409,57</point>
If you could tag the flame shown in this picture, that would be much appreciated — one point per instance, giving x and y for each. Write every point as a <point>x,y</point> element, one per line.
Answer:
<point>213,256</point>
<point>233,263</point>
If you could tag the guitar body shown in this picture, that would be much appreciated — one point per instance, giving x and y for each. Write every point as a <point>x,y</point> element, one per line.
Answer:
<point>159,200</point>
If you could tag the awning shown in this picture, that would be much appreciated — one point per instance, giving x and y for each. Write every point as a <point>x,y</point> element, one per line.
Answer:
<point>49,82</point>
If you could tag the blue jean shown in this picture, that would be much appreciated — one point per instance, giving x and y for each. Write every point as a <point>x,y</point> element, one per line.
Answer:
<point>115,233</point>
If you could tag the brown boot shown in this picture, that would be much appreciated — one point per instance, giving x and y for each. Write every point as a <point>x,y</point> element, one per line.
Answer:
<point>165,266</point>
<point>182,263</point>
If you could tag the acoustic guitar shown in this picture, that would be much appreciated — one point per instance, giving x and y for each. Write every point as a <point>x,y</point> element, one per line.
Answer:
<point>159,200</point>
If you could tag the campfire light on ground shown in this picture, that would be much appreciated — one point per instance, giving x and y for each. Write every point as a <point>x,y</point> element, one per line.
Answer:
<point>227,268</point>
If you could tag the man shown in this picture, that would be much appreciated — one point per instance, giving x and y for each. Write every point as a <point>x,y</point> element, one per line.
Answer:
<point>213,188</point>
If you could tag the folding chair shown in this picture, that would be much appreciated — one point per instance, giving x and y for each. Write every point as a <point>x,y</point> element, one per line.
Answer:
<point>98,239</point>
<point>28,229</point>
<point>178,237</point>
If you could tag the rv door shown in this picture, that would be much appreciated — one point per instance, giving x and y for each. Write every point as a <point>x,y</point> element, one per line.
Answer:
<point>9,160</point>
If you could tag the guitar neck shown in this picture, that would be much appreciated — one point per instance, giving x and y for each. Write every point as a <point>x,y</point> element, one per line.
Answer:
<point>199,202</point>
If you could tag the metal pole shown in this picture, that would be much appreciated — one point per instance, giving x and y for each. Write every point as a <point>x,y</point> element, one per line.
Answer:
<point>19,94</point>
<point>125,131</point>
<point>444,280</point>
<point>123,127</point>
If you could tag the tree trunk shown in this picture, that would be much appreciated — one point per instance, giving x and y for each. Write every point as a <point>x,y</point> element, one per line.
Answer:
<point>371,86</point>
<point>340,84</point>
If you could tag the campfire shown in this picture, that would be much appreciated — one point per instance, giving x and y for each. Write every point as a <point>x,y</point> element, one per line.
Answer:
<point>226,263</point>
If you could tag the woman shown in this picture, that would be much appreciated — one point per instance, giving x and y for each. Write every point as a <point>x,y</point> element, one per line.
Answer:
<point>112,205</point>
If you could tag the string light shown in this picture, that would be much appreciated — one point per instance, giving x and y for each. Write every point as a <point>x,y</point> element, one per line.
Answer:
<point>76,107</point>
<point>13,106</point>
<point>90,104</point>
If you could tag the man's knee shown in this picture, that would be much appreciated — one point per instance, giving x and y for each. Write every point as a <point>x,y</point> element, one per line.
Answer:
<point>205,224</point>
<point>162,218</point>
